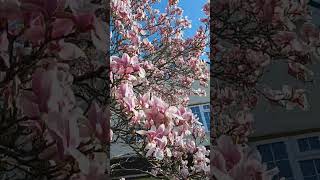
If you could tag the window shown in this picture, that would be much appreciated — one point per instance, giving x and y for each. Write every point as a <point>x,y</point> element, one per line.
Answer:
<point>300,162</point>
<point>310,169</point>
<point>196,110</point>
<point>309,144</point>
<point>275,155</point>
<point>203,113</point>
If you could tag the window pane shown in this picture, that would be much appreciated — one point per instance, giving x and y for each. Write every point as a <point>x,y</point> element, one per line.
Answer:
<point>206,107</point>
<point>307,168</point>
<point>195,109</point>
<point>279,151</point>
<point>314,143</point>
<point>303,145</point>
<point>285,168</point>
<point>266,153</point>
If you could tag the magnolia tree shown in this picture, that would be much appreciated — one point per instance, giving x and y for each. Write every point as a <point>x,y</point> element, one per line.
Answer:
<point>58,92</point>
<point>153,67</point>
<point>54,89</point>
<point>250,39</point>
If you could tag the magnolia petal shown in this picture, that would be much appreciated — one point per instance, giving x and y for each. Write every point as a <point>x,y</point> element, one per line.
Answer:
<point>29,108</point>
<point>168,152</point>
<point>159,154</point>
<point>74,132</point>
<point>111,135</point>
<point>141,132</point>
<point>62,27</point>
<point>55,123</point>
<point>93,114</point>
<point>4,42</point>
<point>83,161</point>
<point>150,151</point>
<point>99,36</point>
<point>70,51</point>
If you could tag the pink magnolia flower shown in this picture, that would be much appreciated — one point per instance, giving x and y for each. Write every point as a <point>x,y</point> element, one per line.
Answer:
<point>3,42</point>
<point>138,117</point>
<point>250,167</point>
<point>157,142</point>
<point>36,32</point>
<point>64,128</point>
<point>99,35</point>
<point>200,160</point>
<point>84,22</point>
<point>157,110</point>
<point>62,27</point>
<point>125,90</point>
<point>68,51</point>
<point>173,2</point>
<point>83,12</point>
<point>43,85</point>
<point>157,148</point>
<point>231,153</point>
<point>127,66</point>
<point>144,99</point>
<point>99,123</point>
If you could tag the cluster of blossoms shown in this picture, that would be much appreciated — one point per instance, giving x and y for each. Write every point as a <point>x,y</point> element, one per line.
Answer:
<point>169,132</point>
<point>249,38</point>
<point>153,68</point>
<point>53,125</point>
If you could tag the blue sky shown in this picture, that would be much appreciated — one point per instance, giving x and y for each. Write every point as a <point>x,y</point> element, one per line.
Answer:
<point>194,13</point>
<point>192,9</point>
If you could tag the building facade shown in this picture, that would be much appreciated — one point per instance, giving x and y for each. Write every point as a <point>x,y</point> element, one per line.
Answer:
<point>290,140</point>
<point>296,154</point>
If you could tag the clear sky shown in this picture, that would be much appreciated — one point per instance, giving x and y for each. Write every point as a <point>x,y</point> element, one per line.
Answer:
<point>192,9</point>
